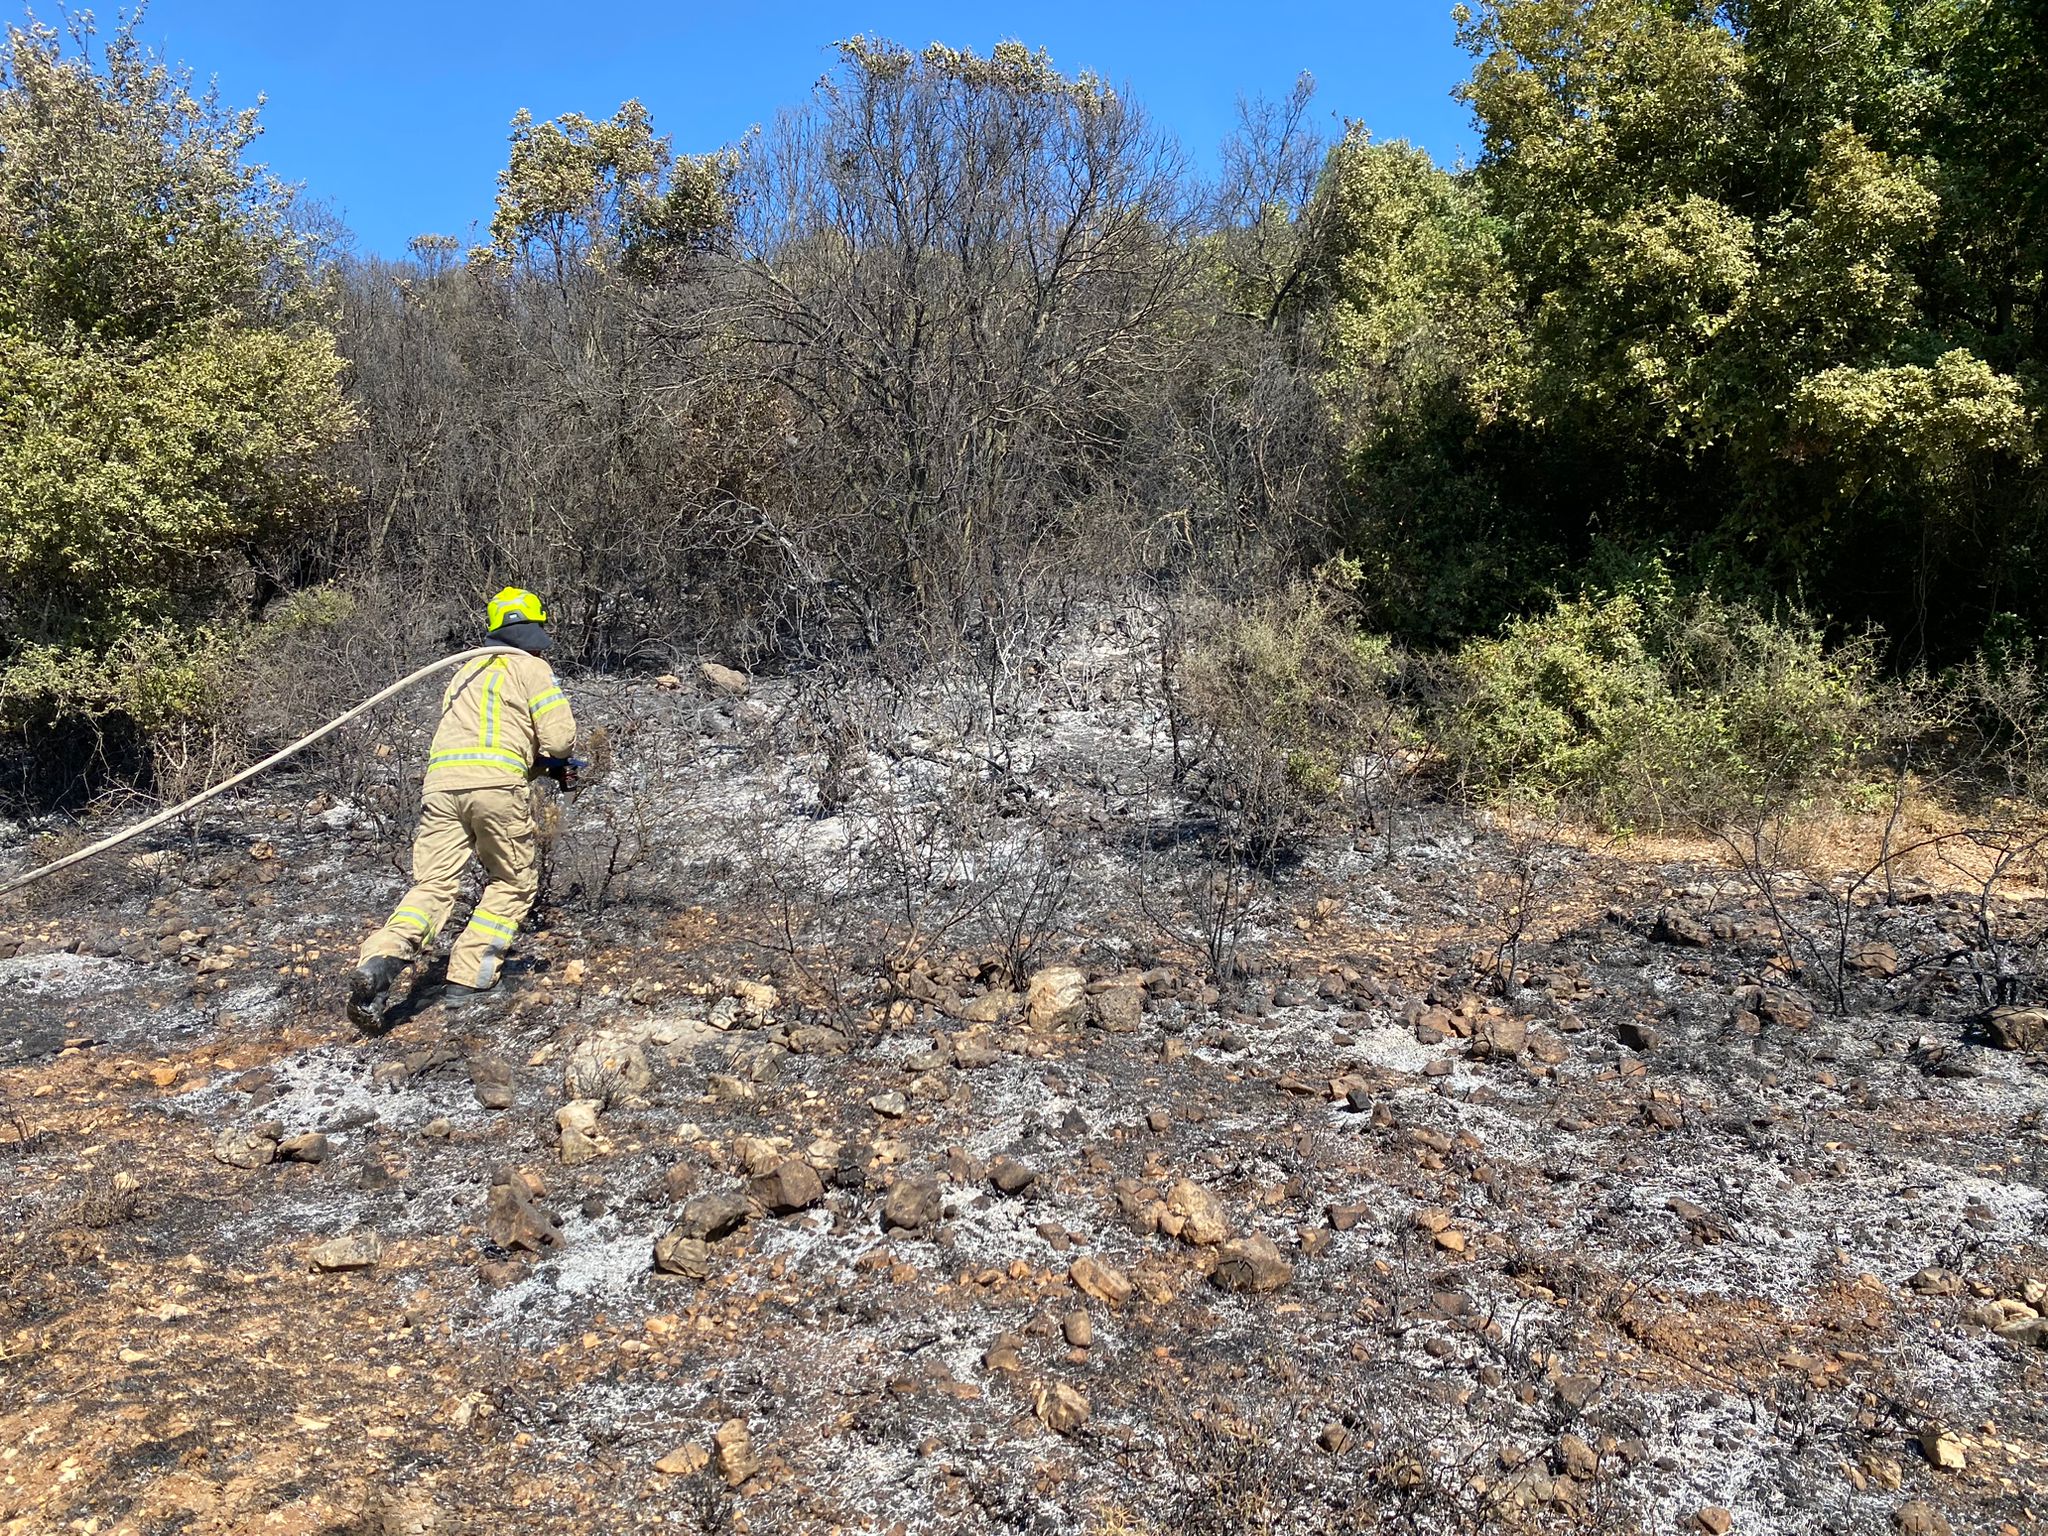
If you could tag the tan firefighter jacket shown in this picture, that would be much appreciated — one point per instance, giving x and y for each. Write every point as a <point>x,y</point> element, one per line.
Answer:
<point>495,716</point>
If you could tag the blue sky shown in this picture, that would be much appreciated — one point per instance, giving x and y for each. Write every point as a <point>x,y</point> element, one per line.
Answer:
<point>395,114</point>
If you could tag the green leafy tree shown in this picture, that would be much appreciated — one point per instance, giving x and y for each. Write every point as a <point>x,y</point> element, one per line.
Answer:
<point>166,393</point>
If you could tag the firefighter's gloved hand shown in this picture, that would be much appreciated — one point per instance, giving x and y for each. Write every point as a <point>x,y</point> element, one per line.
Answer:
<point>563,770</point>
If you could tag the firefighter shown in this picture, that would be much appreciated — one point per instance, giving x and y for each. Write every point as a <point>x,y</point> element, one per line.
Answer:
<point>504,719</point>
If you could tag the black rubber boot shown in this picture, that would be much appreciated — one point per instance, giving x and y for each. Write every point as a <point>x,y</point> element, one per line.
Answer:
<point>456,995</point>
<point>369,989</point>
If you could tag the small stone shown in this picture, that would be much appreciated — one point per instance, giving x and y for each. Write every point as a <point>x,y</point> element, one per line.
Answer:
<point>1250,1265</point>
<point>1078,1330</point>
<point>1061,1409</point>
<point>1875,958</point>
<point>2019,1029</point>
<point>1121,1009</point>
<point>678,1253</point>
<point>1011,1176</point>
<point>1343,1218</point>
<point>358,1250</point>
<point>490,1079</point>
<point>1681,929</point>
<point>1578,1459</point>
<point>1499,1039</point>
<point>684,1461</point>
<point>1942,1448</point>
<point>712,1217</point>
<point>913,1203</point>
<point>577,1122</point>
<point>1159,1122</point>
<point>723,680</point>
<point>1057,998</point>
<point>1106,1284</point>
<point>1917,1517</point>
<point>1197,1213</point>
<point>1714,1520</point>
<point>1637,1035</point>
<point>792,1185</point>
<point>514,1221</point>
<point>890,1106</point>
<point>308,1147</point>
<point>1335,1439</point>
<point>251,1148</point>
<point>733,1449</point>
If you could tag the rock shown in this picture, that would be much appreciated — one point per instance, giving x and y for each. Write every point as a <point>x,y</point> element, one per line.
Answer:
<point>1942,1448</point>
<point>577,1122</point>
<point>1120,1009</point>
<point>1637,1035</point>
<point>1875,958</point>
<point>684,1461</point>
<point>1250,1265</point>
<point>1159,1122</point>
<point>733,1450</point>
<point>1195,1215</point>
<point>723,680</point>
<point>514,1221</point>
<point>1681,929</point>
<point>890,1106</point>
<point>1775,1005</point>
<point>817,1040</point>
<point>607,1067</point>
<point>490,1078</point>
<point>1917,1517</point>
<point>676,1252</point>
<point>1499,1039</point>
<point>1057,998</point>
<point>712,1217</point>
<point>1335,1439</point>
<point>729,1089</point>
<point>1004,1353</point>
<point>914,1202</point>
<point>308,1147</point>
<point>2019,1029</point>
<point>1578,1459</point>
<point>1061,1409</point>
<point>1078,1330</point>
<point>1714,1520</point>
<point>358,1250</point>
<point>1343,1218</point>
<point>1011,1176</point>
<point>251,1148</point>
<point>792,1185</point>
<point>1094,1278</point>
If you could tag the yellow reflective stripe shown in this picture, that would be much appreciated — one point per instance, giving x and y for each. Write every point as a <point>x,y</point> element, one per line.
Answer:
<point>502,759</point>
<point>415,915</point>
<point>491,924</point>
<point>547,702</point>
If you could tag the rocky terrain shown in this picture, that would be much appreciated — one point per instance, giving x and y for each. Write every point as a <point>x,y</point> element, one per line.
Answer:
<point>888,1128</point>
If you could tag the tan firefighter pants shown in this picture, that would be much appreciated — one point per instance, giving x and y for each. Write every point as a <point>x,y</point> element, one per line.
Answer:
<point>495,824</point>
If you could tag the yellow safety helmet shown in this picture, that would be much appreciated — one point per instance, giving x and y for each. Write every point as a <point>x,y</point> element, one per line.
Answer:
<point>516,603</point>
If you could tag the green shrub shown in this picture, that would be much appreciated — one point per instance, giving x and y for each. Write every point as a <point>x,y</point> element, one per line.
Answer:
<point>1291,709</point>
<point>1646,709</point>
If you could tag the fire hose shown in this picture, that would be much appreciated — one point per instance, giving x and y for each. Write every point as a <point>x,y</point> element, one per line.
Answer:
<point>100,847</point>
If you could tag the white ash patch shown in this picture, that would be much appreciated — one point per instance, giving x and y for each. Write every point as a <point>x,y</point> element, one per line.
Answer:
<point>66,975</point>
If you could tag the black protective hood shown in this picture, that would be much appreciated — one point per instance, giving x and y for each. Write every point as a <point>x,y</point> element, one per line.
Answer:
<point>530,637</point>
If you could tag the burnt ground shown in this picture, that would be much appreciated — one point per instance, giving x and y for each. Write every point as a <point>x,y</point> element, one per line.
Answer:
<point>1623,1243</point>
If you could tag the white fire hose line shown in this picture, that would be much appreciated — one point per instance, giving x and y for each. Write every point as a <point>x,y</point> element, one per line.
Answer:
<point>100,847</point>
